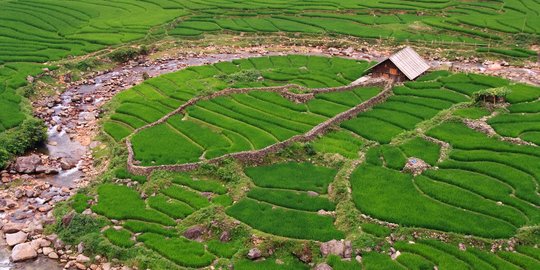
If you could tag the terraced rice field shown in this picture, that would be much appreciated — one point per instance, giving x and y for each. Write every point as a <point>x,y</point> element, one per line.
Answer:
<point>286,199</point>
<point>233,123</point>
<point>478,190</point>
<point>35,31</point>
<point>154,219</point>
<point>485,187</point>
<point>523,120</point>
<point>416,102</point>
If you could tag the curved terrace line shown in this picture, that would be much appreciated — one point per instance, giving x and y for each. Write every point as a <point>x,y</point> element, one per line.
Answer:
<point>257,154</point>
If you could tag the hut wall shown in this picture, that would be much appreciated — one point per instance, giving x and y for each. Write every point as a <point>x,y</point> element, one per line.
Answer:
<point>388,70</point>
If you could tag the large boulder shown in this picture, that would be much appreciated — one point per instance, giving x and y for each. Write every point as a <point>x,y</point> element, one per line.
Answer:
<point>27,164</point>
<point>254,254</point>
<point>340,248</point>
<point>13,239</point>
<point>22,252</point>
<point>323,266</point>
<point>195,232</point>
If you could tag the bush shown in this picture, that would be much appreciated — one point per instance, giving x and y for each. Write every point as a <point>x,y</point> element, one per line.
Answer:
<point>79,226</point>
<point>17,141</point>
<point>79,202</point>
<point>123,55</point>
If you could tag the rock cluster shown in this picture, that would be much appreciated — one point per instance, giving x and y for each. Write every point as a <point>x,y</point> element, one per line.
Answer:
<point>415,166</point>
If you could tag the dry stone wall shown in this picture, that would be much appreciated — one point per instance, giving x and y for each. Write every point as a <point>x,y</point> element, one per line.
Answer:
<point>257,155</point>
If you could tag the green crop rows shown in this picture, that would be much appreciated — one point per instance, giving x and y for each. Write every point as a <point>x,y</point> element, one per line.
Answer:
<point>40,31</point>
<point>234,123</point>
<point>478,188</point>
<point>281,205</point>
<point>152,221</point>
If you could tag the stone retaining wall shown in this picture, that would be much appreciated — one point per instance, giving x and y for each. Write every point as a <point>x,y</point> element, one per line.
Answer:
<point>256,155</point>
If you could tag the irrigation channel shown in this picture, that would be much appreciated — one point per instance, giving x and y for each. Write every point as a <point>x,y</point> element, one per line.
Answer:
<point>75,146</point>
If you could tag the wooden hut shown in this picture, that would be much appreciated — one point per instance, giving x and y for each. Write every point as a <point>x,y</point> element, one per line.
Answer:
<point>403,65</point>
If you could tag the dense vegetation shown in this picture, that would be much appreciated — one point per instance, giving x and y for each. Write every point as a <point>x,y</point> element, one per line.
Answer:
<point>478,190</point>
<point>36,32</point>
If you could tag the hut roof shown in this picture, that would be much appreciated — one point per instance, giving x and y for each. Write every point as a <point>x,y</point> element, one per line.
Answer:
<point>409,62</point>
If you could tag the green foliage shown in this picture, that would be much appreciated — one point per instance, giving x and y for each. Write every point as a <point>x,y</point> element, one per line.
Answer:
<point>179,250</point>
<point>121,238</point>
<point>284,222</point>
<point>125,54</point>
<point>121,202</point>
<point>79,227</point>
<point>298,176</point>
<point>28,135</point>
<point>79,202</point>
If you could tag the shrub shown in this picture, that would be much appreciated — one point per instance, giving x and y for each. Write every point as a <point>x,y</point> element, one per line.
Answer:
<point>79,202</point>
<point>123,55</point>
<point>28,135</point>
<point>80,226</point>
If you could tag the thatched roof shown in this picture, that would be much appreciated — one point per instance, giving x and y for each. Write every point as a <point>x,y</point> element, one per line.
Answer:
<point>409,62</point>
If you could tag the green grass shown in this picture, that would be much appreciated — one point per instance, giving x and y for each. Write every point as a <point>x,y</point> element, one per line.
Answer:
<point>179,250</point>
<point>291,199</point>
<point>223,249</point>
<point>341,142</point>
<point>239,122</point>
<point>472,112</point>
<point>121,202</point>
<point>284,222</point>
<point>297,176</point>
<point>187,196</point>
<point>200,185</point>
<point>146,227</point>
<point>121,238</point>
<point>79,202</point>
<point>392,196</point>
<point>422,149</point>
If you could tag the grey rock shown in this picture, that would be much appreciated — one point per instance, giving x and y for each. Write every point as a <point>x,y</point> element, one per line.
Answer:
<point>254,254</point>
<point>323,266</point>
<point>340,248</point>
<point>82,259</point>
<point>13,239</point>
<point>22,252</point>
<point>27,164</point>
